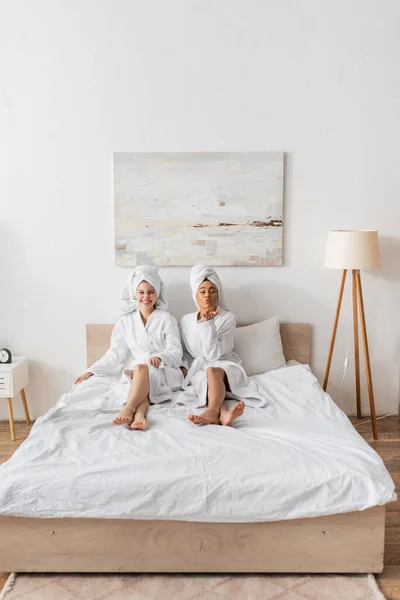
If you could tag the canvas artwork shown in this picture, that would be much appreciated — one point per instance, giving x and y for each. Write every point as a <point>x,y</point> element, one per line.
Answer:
<point>184,208</point>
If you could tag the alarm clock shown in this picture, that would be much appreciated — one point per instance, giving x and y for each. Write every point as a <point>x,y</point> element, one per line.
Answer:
<point>5,356</point>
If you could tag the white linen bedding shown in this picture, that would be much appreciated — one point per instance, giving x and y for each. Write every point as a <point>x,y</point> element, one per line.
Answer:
<point>298,456</point>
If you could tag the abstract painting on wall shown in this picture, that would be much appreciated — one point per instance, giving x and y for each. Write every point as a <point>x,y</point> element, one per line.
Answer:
<point>222,208</point>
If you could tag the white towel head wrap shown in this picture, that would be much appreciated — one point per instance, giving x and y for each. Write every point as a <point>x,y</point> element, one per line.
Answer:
<point>201,272</point>
<point>139,274</point>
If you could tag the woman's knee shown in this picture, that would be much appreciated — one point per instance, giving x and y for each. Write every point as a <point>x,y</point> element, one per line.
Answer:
<point>141,368</point>
<point>215,372</point>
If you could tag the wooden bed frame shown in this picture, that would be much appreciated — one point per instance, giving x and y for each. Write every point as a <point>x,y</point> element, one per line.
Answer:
<point>343,543</point>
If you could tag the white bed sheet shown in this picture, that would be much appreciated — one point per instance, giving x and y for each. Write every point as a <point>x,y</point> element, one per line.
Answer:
<point>299,456</point>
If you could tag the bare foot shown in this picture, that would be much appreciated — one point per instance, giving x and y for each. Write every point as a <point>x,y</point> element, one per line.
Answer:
<point>139,422</point>
<point>228,416</point>
<point>125,417</point>
<point>129,372</point>
<point>208,417</point>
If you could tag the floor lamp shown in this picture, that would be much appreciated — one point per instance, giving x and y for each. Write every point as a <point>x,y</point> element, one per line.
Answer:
<point>351,251</point>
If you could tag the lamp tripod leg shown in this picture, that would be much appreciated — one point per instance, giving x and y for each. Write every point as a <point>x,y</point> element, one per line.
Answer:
<point>335,325</point>
<point>356,345</point>
<point>366,354</point>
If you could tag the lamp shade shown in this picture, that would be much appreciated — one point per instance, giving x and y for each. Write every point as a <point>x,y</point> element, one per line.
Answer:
<point>352,249</point>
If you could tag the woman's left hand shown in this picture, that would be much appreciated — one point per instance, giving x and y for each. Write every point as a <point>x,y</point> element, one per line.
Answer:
<point>154,361</point>
<point>210,314</point>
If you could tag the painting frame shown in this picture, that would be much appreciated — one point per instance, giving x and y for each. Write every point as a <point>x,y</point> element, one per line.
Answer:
<point>180,208</point>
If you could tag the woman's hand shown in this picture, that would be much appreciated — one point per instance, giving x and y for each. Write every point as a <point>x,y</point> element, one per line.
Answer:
<point>154,361</point>
<point>209,315</point>
<point>184,371</point>
<point>83,377</point>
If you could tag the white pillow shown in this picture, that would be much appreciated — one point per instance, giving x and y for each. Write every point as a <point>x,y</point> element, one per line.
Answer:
<point>260,346</point>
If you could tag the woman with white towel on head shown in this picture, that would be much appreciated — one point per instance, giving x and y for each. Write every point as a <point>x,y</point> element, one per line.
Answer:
<point>151,334</point>
<point>210,364</point>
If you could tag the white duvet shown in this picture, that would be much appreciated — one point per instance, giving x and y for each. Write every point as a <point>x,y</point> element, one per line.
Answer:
<point>298,456</point>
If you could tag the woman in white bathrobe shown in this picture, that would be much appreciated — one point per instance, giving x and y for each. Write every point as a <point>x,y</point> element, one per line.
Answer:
<point>213,367</point>
<point>151,335</point>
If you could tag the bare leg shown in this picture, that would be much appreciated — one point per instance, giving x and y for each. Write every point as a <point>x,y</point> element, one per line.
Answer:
<point>139,420</point>
<point>215,396</point>
<point>227,417</point>
<point>139,391</point>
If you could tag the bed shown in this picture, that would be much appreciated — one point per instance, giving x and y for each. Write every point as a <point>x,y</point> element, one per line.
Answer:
<point>64,506</point>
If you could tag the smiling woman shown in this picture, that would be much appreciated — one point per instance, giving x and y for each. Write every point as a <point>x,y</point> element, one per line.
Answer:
<point>146,296</point>
<point>151,335</point>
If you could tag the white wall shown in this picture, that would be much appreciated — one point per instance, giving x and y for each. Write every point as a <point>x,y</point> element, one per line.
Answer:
<point>83,78</point>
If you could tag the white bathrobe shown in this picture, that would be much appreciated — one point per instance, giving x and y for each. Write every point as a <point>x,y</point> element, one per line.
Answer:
<point>160,337</point>
<point>210,344</point>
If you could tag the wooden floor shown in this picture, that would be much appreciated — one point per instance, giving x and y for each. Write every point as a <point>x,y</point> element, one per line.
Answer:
<point>388,447</point>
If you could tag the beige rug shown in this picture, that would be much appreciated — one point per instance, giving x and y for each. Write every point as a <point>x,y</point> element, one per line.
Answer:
<point>191,587</point>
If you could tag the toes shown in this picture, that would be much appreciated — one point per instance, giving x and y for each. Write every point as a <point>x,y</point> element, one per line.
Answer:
<point>139,425</point>
<point>238,407</point>
<point>206,420</point>
<point>227,417</point>
<point>121,420</point>
<point>203,420</point>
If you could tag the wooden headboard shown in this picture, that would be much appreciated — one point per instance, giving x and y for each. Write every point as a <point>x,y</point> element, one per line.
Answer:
<point>296,341</point>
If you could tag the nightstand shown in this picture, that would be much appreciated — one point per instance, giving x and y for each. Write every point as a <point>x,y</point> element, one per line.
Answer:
<point>13,379</point>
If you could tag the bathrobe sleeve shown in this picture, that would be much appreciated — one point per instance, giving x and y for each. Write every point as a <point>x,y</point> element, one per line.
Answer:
<point>111,362</point>
<point>171,356</point>
<point>217,343</point>
<point>187,358</point>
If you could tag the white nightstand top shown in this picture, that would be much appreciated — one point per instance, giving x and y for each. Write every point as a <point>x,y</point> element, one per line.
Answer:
<point>14,377</point>
<point>17,360</point>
